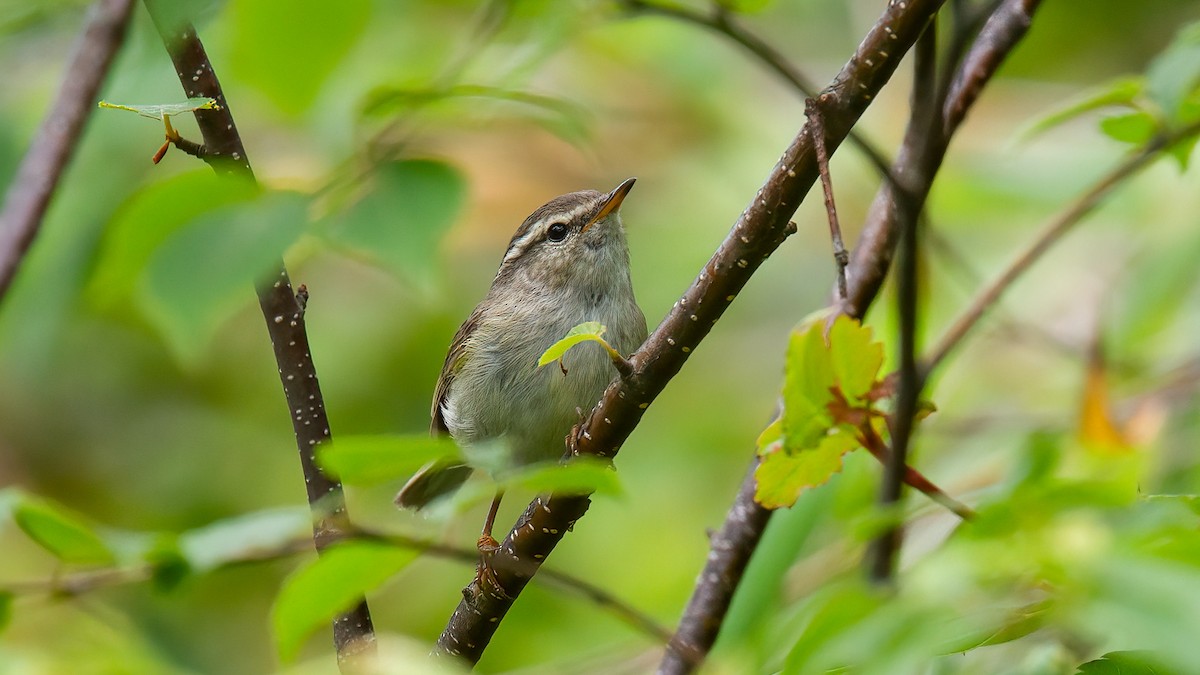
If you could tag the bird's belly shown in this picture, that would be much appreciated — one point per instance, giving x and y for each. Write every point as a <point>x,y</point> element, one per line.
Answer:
<point>502,394</point>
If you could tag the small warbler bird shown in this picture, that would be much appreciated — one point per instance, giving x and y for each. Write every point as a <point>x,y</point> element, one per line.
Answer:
<point>568,263</point>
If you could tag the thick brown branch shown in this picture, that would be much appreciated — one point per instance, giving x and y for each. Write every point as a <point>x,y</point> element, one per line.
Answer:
<point>29,194</point>
<point>762,227</point>
<point>353,633</point>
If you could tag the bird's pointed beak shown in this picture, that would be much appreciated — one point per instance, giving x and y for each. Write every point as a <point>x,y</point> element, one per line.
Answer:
<point>612,202</point>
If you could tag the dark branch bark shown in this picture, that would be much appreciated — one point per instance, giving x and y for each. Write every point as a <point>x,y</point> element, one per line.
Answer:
<point>729,554</point>
<point>762,227</point>
<point>29,194</point>
<point>924,152</point>
<point>926,121</point>
<point>353,633</point>
<point>868,267</point>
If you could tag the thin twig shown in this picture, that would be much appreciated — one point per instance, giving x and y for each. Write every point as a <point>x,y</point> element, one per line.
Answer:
<point>353,632</point>
<point>1050,234</point>
<point>841,258</point>
<point>81,583</point>
<point>29,194</point>
<point>762,228</point>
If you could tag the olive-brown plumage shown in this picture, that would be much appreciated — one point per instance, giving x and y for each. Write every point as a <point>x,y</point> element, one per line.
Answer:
<point>567,263</point>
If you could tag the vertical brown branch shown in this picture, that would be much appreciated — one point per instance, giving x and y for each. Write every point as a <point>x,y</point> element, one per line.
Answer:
<point>29,195</point>
<point>926,119</point>
<point>353,633</point>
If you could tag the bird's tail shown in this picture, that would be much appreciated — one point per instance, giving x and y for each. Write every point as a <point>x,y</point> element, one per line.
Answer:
<point>434,480</point>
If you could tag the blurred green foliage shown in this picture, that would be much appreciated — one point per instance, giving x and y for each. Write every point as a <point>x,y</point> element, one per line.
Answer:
<point>398,145</point>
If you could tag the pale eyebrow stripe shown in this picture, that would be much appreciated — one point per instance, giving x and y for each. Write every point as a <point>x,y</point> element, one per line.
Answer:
<point>538,229</point>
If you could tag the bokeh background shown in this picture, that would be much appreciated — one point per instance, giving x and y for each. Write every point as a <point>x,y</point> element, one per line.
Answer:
<point>137,385</point>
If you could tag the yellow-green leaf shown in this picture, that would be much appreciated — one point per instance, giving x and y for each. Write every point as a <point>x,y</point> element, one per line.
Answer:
<point>808,377</point>
<point>782,476</point>
<point>368,460</point>
<point>164,110</point>
<point>63,533</point>
<point>584,332</point>
<point>856,357</point>
<point>331,584</point>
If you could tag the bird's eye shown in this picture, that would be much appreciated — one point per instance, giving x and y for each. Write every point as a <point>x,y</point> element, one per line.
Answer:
<point>557,232</point>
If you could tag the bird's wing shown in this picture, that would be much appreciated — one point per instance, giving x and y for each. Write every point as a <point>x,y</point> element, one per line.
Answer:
<point>455,360</point>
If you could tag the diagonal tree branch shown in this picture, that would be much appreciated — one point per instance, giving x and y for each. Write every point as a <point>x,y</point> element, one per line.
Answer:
<point>29,194</point>
<point>353,632</point>
<point>761,228</point>
<point>744,525</point>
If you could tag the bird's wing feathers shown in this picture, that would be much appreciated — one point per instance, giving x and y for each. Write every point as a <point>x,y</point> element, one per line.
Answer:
<point>455,360</point>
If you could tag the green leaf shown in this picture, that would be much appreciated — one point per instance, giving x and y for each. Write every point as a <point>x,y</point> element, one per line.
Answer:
<point>158,112</point>
<point>368,460</point>
<point>560,116</point>
<point>1174,75</point>
<point>289,48</point>
<point>580,476</point>
<point>855,356</point>
<point>1136,128</point>
<point>808,379</point>
<point>782,476</point>
<point>400,222</point>
<point>333,583</point>
<point>6,601</point>
<point>1121,93</point>
<point>168,565</point>
<point>771,438</point>
<point>206,270</point>
<point>745,6</point>
<point>147,219</point>
<point>243,537</point>
<point>584,332</point>
<point>1182,149</point>
<point>63,533</point>
<point>1124,663</point>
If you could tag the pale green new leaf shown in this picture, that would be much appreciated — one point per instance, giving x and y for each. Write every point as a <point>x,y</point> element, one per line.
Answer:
<point>1121,93</point>
<point>312,595</point>
<point>1134,662</point>
<point>62,533</point>
<point>782,476</point>
<point>163,110</point>
<point>584,332</point>
<point>855,356</point>
<point>368,460</point>
<point>808,377</point>
<point>1135,128</point>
